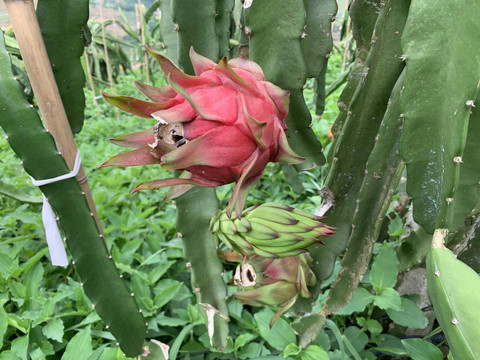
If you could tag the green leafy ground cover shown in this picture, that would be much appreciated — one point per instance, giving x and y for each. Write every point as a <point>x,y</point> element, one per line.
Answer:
<point>45,314</point>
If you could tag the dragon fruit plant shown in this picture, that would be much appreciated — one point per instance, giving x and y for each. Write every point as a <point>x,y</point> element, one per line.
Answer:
<point>220,126</point>
<point>264,281</point>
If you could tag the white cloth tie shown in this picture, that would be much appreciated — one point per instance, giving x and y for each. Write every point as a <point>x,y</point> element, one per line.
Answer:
<point>54,241</point>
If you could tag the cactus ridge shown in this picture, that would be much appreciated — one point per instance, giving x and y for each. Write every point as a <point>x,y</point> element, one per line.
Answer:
<point>95,267</point>
<point>365,114</point>
<point>65,48</point>
<point>434,169</point>
<point>196,207</point>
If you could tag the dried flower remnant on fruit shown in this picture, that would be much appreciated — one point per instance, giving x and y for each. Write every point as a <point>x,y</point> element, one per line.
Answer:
<point>220,126</point>
<point>265,281</point>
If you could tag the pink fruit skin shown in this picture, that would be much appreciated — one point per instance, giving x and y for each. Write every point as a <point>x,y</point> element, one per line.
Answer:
<point>233,124</point>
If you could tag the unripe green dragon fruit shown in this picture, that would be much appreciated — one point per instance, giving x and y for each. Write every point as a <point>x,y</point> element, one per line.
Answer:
<point>270,230</point>
<point>222,125</point>
<point>265,281</point>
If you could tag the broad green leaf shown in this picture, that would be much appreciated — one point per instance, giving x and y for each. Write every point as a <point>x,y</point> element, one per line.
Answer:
<point>32,278</point>
<point>54,329</point>
<point>374,327</point>
<point>292,350</point>
<point>3,324</point>
<point>6,265</point>
<point>384,271</point>
<point>420,349</point>
<point>80,346</point>
<point>8,355</point>
<point>360,299</point>
<point>20,346</point>
<point>20,193</point>
<point>111,354</point>
<point>165,291</point>
<point>243,339</point>
<point>179,340</point>
<point>17,322</point>
<point>388,298</point>
<point>159,271</point>
<point>252,350</point>
<point>142,292</point>
<point>314,352</point>
<point>410,315</point>
<point>170,321</point>
<point>280,335</point>
<point>37,354</point>
<point>17,289</point>
<point>390,345</point>
<point>357,337</point>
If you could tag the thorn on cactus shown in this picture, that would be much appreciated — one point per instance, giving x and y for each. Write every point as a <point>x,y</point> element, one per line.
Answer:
<point>220,126</point>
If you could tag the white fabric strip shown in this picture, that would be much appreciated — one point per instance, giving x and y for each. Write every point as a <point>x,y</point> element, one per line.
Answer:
<point>54,241</point>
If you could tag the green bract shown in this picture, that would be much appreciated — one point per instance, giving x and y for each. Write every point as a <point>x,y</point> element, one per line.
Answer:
<point>270,230</point>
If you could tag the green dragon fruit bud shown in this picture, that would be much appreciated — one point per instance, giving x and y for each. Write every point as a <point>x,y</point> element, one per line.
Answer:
<point>265,281</point>
<point>270,230</point>
<point>221,125</point>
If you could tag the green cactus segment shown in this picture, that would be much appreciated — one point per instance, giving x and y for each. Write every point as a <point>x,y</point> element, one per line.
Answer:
<point>301,136</point>
<point>413,249</point>
<point>195,208</point>
<point>383,172</point>
<point>452,288</point>
<point>320,90</point>
<point>383,67</point>
<point>194,211</point>
<point>278,52</point>
<point>223,25</point>
<point>62,25</point>
<point>442,77</point>
<point>316,41</point>
<point>101,280</point>
<point>280,55</point>
<point>194,22</point>
<point>364,14</point>
<point>465,196</point>
<point>167,31</point>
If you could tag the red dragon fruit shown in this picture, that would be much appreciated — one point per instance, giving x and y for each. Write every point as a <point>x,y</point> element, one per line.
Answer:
<point>222,125</point>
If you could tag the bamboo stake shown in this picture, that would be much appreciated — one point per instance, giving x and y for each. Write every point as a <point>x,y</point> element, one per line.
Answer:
<point>89,75</point>
<point>142,34</point>
<point>105,48</point>
<point>345,51</point>
<point>34,53</point>
<point>137,55</point>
